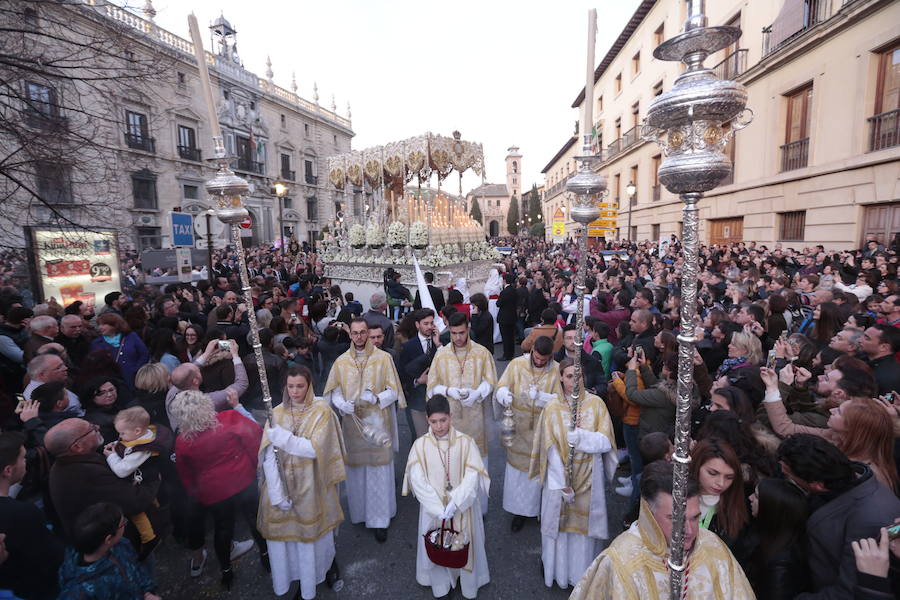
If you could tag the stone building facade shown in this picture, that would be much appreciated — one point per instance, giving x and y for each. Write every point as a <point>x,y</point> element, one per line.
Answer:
<point>159,136</point>
<point>820,164</point>
<point>494,198</point>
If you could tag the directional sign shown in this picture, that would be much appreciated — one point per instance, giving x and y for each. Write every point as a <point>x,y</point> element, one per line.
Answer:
<point>182,229</point>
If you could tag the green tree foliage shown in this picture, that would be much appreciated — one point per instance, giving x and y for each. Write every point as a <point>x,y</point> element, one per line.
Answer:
<point>538,230</point>
<point>512,217</point>
<point>475,213</point>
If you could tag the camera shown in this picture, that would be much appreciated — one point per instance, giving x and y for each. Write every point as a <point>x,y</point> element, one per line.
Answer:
<point>224,345</point>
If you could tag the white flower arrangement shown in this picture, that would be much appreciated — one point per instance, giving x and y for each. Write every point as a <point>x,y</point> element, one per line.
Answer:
<point>357,236</point>
<point>374,236</point>
<point>418,235</point>
<point>397,234</point>
<point>468,248</point>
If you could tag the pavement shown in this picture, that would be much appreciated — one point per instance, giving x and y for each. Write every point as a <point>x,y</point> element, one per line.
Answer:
<point>373,570</point>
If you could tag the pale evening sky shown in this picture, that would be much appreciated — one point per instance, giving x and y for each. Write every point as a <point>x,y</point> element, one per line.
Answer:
<point>501,72</point>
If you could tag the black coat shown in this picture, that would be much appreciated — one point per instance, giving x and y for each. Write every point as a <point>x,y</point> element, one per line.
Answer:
<point>784,576</point>
<point>483,330</point>
<point>507,312</point>
<point>536,304</point>
<point>414,361</point>
<point>591,369</point>
<point>437,297</point>
<point>644,340</point>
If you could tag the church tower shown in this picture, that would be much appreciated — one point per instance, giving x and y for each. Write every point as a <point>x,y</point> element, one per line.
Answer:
<point>514,172</point>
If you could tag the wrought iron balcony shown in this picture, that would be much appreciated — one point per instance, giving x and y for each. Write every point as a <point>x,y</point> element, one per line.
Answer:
<point>140,142</point>
<point>250,166</point>
<point>288,175</point>
<point>795,155</point>
<point>884,130</point>
<point>630,138</point>
<point>779,34</point>
<point>312,180</point>
<point>732,65</point>
<point>613,149</point>
<point>47,121</point>
<point>189,153</point>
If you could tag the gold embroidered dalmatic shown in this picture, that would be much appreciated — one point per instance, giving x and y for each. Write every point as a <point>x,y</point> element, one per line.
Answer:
<point>520,374</point>
<point>633,567</point>
<point>465,367</point>
<point>552,430</point>
<point>311,483</point>
<point>374,370</point>
<point>459,450</point>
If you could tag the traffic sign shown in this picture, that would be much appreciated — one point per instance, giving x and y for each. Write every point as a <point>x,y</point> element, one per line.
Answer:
<point>247,223</point>
<point>215,225</point>
<point>182,229</point>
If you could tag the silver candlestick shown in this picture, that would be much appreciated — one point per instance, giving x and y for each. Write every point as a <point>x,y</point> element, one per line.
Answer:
<point>692,122</point>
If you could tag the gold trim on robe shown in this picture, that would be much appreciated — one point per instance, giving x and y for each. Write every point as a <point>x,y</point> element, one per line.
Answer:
<point>377,374</point>
<point>311,483</point>
<point>479,366</point>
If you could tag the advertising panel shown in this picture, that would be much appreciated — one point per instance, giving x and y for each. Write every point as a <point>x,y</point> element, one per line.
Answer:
<point>74,265</point>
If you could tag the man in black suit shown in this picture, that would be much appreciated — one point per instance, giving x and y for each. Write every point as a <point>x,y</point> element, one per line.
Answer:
<point>437,295</point>
<point>415,358</point>
<point>507,316</point>
<point>592,374</point>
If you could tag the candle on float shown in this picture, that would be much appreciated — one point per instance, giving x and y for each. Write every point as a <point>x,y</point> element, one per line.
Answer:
<point>205,85</point>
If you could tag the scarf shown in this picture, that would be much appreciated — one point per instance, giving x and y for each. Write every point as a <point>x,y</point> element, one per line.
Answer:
<point>731,363</point>
<point>113,340</point>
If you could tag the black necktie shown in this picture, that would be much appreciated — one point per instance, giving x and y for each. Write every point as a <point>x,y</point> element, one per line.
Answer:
<point>430,345</point>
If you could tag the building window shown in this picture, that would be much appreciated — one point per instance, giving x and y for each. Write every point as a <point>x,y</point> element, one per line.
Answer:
<point>54,184</point>
<point>600,104</point>
<point>795,151</point>
<point>247,150</point>
<point>143,184</point>
<point>283,121</point>
<point>885,124</point>
<point>633,174</point>
<point>792,226</point>
<point>515,166</point>
<point>514,180</point>
<point>312,209</point>
<point>187,143</point>
<point>636,63</point>
<point>149,237</point>
<point>618,83</point>
<point>306,129</point>
<point>654,232</point>
<point>309,172</point>
<point>190,192</point>
<point>225,94</point>
<point>659,35</point>
<point>41,100</point>
<point>286,172</point>
<point>30,18</point>
<point>181,78</point>
<point>335,139</point>
<point>656,161</point>
<point>137,133</point>
<point>657,89</point>
<point>617,183</point>
<point>635,114</point>
<point>618,127</point>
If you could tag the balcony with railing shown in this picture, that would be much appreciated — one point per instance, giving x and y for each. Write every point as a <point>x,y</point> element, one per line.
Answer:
<point>613,149</point>
<point>249,166</point>
<point>140,142</point>
<point>189,153</point>
<point>288,175</point>
<point>732,65</point>
<point>791,26</point>
<point>46,120</point>
<point>630,138</point>
<point>795,155</point>
<point>312,180</point>
<point>884,130</point>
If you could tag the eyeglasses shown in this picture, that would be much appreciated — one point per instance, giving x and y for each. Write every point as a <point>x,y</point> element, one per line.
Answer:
<point>93,429</point>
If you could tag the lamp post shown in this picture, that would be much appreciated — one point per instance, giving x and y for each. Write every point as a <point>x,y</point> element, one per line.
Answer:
<point>281,189</point>
<point>631,190</point>
<point>692,122</point>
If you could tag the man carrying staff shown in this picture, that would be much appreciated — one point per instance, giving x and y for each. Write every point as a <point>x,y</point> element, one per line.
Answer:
<point>446,475</point>
<point>528,384</point>
<point>465,373</point>
<point>573,510</point>
<point>363,385</point>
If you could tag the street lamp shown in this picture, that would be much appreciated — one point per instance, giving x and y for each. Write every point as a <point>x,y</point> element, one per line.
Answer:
<point>281,189</point>
<point>631,190</point>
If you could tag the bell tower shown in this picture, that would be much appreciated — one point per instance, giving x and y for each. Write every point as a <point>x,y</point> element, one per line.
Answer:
<point>514,172</point>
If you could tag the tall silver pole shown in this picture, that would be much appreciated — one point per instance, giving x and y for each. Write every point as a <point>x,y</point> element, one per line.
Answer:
<point>692,122</point>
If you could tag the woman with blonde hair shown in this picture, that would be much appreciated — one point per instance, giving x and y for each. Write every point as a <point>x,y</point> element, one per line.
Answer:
<point>151,383</point>
<point>216,461</point>
<point>744,350</point>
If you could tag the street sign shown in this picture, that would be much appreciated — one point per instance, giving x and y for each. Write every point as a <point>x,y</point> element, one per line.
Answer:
<point>247,223</point>
<point>215,225</point>
<point>558,226</point>
<point>182,229</point>
<point>183,264</point>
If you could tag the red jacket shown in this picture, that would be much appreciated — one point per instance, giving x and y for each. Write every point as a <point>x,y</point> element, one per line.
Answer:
<point>219,462</point>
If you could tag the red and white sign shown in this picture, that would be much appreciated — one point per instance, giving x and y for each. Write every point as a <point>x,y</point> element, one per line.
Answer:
<point>247,223</point>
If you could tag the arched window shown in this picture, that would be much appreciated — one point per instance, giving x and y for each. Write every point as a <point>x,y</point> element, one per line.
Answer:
<point>515,166</point>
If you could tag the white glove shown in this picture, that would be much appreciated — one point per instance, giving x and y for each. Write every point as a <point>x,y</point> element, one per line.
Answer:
<point>440,390</point>
<point>568,495</point>
<point>504,396</point>
<point>543,398</point>
<point>449,511</point>
<point>454,393</point>
<point>532,392</point>
<point>470,399</point>
<point>342,405</point>
<point>573,436</point>
<point>368,397</point>
<point>386,398</point>
<point>278,435</point>
<point>285,504</point>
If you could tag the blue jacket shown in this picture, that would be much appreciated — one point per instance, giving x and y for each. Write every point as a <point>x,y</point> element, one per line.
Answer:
<point>131,355</point>
<point>117,576</point>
